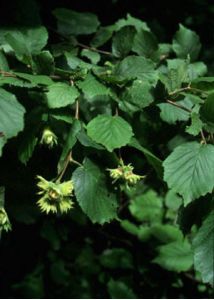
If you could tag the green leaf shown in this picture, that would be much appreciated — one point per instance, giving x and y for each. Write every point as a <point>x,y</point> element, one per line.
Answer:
<point>43,63</point>
<point>71,139</point>
<point>151,158</point>
<point>27,146</point>
<point>86,141</point>
<point>145,43</point>
<point>176,256</point>
<point>61,94</point>
<point>207,109</point>
<point>131,21</point>
<point>92,195</point>
<point>186,42</point>
<point>147,207</point>
<point>129,227</point>
<point>166,233</point>
<point>35,79</point>
<point>102,36</point>
<point>189,170</point>
<point>110,131</point>
<point>196,69</point>
<point>203,247</point>
<point>196,125</point>
<point>205,84</point>
<point>171,114</point>
<point>11,116</point>
<point>173,201</point>
<point>139,67</point>
<point>27,42</point>
<point>122,41</point>
<point>13,81</point>
<point>119,290</point>
<point>174,77</point>
<point>139,94</point>
<point>3,62</point>
<point>91,87</point>
<point>93,56</point>
<point>75,23</point>
<point>62,115</point>
<point>75,62</point>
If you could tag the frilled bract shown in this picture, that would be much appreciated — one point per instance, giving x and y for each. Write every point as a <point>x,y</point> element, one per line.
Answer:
<point>4,220</point>
<point>48,138</point>
<point>125,172</point>
<point>56,197</point>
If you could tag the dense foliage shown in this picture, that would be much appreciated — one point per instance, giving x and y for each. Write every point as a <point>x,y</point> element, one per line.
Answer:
<point>107,160</point>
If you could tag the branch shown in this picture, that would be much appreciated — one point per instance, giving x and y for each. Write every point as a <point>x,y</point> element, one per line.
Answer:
<point>178,105</point>
<point>94,49</point>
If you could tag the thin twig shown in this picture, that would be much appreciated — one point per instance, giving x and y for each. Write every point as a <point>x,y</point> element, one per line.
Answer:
<point>94,49</point>
<point>203,137</point>
<point>77,110</point>
<point>76,162</point>
<point>188,88</point>
<point>178,105</point>
<point>7,74</point>
<point>67,161</point>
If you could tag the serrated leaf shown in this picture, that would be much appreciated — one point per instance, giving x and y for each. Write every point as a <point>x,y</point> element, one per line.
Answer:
<point>11,116</point>
<point>91,87</point>
<point>62,115</point>
<point>122,41</point>
<point>102,35</point>
<point>139,67</point>
<point>35,79</point>
<point>86,141</point>
<point>203,247</point>
<point>13,81</point>
<point>92,195</point>
<point>186,42</point>
<point>174,77</point>
<point>205,84</point>
<point>131,21</point>
<point>43,63</point>
<point>93,56</point>
<point>145,43</point>
<point>27,42</point>
<point>61,94</point>
<point>72,22</point>
<point>189,170</point>
<point>176,256</point>
<point>196,69</point>
<point>75,62</point>
<point>110,131</point>
<point>196,125</point>
<point>139,94</point>
<point>171,114</point>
